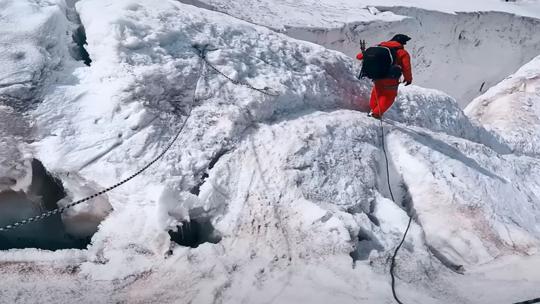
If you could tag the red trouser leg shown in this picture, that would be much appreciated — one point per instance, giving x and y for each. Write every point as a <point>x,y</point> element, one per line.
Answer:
<point>383,94</point>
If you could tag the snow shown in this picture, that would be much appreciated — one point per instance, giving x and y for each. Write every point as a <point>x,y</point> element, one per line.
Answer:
<point>486,225</point>
<point>528,8</point>
<point>294,184</point>
<point>454,48</point>
<point>83,219</point>
<point>14,171</point>
<point>511,109</point>
<point>31,51</point>
<point>334,14</point>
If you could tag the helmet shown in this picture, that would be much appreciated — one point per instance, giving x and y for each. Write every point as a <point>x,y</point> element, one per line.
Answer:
<point>401,38</point>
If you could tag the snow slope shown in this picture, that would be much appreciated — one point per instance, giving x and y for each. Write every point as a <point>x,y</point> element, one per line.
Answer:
<point>31,51</point>
<point>334,14</point>
<point>454,48</point>
<point>295,185</point>
<point>511,109</point>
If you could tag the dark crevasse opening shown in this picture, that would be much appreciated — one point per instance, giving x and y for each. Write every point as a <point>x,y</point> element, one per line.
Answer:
<point>366,242</point>
<point>79,51</point>
<point>42,196</point>
<point>195,232</point>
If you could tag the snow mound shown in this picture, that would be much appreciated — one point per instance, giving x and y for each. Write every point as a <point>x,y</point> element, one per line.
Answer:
<point>511,109</point>
<point>436,111</point>
<point>32,50</point>
<point>463,225</point>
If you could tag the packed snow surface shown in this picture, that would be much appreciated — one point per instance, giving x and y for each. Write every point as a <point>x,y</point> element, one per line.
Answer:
<point>295,185</point>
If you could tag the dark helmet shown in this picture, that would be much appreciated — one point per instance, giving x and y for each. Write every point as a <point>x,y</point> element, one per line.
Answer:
<point>401,38</point>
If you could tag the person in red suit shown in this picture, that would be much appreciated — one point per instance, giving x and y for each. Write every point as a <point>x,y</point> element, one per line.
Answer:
<point>384,91</point>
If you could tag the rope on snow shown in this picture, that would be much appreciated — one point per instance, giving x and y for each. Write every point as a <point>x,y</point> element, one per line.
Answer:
<point>393,261</point>
<point>73,204</point>
<point>202,50</point>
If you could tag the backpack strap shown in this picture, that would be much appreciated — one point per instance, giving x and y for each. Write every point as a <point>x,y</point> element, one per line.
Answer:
<point>392,52</point>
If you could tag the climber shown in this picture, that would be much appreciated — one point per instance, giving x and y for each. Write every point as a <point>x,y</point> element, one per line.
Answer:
<point>385,64</point>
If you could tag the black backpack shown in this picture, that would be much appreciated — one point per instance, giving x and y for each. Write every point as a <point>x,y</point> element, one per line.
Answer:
<point>380,62</point>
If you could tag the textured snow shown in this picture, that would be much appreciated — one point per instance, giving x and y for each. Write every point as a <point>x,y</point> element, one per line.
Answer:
<point>280,14</point>
<point>31,51</point>
<point>454,48</point>
<point>295,185</point>
<point>512,111</point>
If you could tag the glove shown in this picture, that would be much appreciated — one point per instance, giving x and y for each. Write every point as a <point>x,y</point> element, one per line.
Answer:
<point>407,82</point>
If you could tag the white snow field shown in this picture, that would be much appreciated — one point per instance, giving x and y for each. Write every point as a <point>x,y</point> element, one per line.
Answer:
<point>274,199</point>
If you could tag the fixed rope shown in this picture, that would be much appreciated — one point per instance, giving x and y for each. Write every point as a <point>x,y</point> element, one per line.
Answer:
<point>73,204</point>
<point>203,49</point>
<point>396,251</point>
<point>393,260</point>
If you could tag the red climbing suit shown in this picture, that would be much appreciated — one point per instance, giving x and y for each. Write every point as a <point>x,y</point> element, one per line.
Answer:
<point>384,91</point>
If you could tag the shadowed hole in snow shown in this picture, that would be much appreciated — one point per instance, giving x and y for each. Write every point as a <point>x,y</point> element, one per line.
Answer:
<point>195,232</point>
<point>365,244</point>
<point>79,51</point>
<point>43,194</point>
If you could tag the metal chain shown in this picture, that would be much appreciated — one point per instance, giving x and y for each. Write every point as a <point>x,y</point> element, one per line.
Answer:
<point>202,50</point>
<point>202,53</point>
<point>62,209</point>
